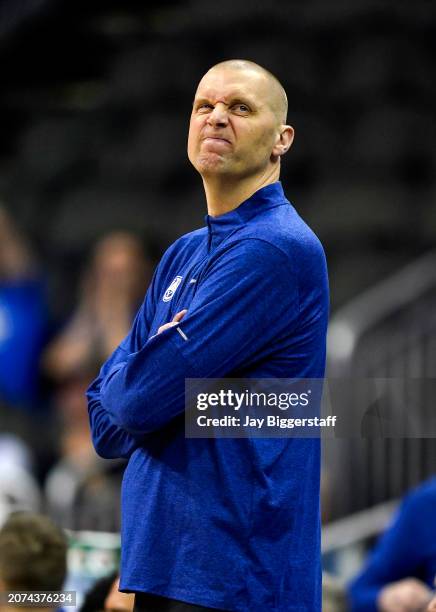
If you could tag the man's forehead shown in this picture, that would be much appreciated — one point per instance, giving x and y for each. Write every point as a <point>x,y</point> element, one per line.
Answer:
<point>221,83</point>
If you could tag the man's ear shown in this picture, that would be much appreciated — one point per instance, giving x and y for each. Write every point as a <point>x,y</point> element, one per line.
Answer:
<point>284,140</point>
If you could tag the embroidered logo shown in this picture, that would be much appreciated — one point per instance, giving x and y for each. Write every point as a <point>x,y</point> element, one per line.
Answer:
<point>172,288</point>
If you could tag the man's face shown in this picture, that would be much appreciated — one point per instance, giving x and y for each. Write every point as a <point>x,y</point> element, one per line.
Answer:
<point>233,128</point>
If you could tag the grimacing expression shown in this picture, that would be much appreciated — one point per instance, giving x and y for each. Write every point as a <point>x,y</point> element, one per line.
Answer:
<point>233,126</point>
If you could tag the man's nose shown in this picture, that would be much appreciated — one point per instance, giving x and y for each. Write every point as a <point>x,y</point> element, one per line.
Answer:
<point>218,117</point>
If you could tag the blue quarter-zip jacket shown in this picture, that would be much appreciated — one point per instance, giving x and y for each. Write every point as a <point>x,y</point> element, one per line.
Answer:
<point>224,523</point>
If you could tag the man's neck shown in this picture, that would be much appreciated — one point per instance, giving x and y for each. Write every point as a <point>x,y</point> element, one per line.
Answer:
<point>224,195</point>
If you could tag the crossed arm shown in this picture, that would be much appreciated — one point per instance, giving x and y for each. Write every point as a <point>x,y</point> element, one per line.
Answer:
<point>141,387</point>
<point>111,441</point>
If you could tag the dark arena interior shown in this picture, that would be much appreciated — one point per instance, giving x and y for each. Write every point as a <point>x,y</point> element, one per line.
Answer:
<point>95,184</point>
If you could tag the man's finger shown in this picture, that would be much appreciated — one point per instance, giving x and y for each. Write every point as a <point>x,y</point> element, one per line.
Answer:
<point>179,316</point>
<point>165,326</point>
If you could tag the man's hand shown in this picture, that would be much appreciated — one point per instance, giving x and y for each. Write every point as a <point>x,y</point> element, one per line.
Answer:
<point>432,606</point>
<point>177,318</point>
<point>409,595</point>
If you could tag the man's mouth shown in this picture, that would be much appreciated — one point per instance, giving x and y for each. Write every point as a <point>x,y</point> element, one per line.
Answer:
<point>215,139</point>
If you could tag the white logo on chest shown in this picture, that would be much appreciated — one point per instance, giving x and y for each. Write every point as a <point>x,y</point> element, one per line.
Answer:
<point>172,288</point>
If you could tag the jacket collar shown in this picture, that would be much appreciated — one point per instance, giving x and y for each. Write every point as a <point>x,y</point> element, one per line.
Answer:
<point>263,199</point>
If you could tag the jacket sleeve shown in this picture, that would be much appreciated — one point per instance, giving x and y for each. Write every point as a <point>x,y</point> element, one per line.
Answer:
<point>397,555</point>
<point>111,441</point>
<point>247,298</point>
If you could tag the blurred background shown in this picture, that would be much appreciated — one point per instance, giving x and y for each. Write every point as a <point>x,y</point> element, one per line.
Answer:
<point>95,184</point>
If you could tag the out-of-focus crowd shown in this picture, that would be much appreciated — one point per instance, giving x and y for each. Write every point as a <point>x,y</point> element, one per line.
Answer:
<point>47,462</point>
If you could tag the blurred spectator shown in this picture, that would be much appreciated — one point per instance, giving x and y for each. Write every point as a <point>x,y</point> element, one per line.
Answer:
<point>82,491</point>
<point>96,596</point>
<point>112,288</point>
<point>33,553</point>
<point>105,595</point>
<point>77,457</point>
<point>401,571</point>
<point>23,317</point>
<point>97,499</point>
<point>13,451</point>
<point>18,488</point>
<point>333,594</point>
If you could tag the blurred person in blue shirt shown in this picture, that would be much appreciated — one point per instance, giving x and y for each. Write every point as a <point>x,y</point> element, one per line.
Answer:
<point>23,318</point>
<point>228,524</point>
<point>400,573</point>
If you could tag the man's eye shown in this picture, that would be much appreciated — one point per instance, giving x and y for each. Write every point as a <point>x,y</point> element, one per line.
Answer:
<point>242,108</point>
<point>203,107</point>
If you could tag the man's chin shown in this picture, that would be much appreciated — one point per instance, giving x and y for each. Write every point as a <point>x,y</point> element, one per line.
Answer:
<point>212,164</point>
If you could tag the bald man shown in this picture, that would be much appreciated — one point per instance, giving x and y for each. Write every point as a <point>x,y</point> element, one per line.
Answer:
<point>222,524</point>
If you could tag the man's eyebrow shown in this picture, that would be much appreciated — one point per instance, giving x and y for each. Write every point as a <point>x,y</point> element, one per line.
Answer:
<point>236,97</point>
<point>198,100</point>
